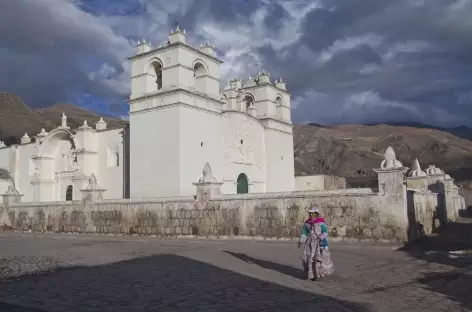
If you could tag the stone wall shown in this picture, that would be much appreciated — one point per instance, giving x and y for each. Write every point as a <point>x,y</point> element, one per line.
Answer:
<point>269,215</point>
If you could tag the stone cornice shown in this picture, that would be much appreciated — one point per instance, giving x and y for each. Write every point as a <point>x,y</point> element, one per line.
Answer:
<point>173,45</point>
<point>174,105</point>
<point>42,157</point>
<point>264,84</point>
<point>173,90</point>
<point>83,151</point>
<point>276,120</point>
<point>390,170</point>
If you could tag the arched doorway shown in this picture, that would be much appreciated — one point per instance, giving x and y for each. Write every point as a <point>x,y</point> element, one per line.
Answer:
<point>69,193</point>
<point>242,184</point>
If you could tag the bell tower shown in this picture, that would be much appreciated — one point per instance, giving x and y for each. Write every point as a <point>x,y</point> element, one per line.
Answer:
<point>175,111</point>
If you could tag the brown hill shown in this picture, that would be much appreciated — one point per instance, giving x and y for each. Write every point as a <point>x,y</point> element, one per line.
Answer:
<point>76,116</point>
<point>16,118</point>
<point>353,150</point>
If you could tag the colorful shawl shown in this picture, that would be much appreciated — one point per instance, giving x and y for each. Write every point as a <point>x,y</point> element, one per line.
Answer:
<point>324,230</point>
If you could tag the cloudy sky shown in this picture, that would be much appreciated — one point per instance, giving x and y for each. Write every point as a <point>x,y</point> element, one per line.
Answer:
<point>345,61</point>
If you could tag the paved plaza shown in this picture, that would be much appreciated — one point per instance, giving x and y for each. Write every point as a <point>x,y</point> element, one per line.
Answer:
<point>46,272</point>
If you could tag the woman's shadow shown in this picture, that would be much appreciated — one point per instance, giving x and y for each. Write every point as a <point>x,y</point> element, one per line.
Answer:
<point>281,268</point>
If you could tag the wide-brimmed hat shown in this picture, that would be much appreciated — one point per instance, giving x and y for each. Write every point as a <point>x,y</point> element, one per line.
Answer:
<point>313,209</point>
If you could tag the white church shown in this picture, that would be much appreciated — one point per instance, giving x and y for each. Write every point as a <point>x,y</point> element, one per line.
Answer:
<point>180,119</point>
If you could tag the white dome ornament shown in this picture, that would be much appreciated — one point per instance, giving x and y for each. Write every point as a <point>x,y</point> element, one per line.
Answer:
<point>390,160</point>
<point>416,170</point>
<point>432,170</point>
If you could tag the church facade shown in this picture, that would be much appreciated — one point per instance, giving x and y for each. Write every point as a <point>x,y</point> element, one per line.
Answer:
<point>58,164</point>
<point>180,119</point>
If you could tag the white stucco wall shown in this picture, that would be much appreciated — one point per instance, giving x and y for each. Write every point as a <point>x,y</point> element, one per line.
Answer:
<point>307,183</point>
<point>26,171</point>
<point>110,173</point>
<point>199,142</point>
<point>247,157</point>
<point>5,155</point>
<point>154,152</point>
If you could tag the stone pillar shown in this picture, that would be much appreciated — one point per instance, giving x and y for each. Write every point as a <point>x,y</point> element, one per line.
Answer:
<point>392,193</point>
<point>207,186</point>
<point>436,185</point>
<point>93,192</point>
<point>451,210</point>
<point>391,174</point>
<point>90,195</point>
<point>417,178</point>
<point>12,196</point>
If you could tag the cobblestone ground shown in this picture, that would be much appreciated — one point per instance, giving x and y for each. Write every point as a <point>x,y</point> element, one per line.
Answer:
<point>102,273</point>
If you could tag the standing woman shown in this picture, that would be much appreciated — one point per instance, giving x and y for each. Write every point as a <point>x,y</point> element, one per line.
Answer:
<point>314,242</point>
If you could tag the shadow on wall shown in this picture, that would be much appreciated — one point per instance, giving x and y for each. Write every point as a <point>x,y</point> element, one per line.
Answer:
<point>440,217</point>
<point>159,283</point>
<point>466,213</point>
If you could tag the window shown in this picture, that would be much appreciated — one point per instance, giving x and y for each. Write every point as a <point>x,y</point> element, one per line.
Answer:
<point>249,100</point>
<point>198,70</point>
<point>69,193</point>
<point>279,108</point>
<point>113,157</point>
<point>157,68</point>
<point>242,186</point>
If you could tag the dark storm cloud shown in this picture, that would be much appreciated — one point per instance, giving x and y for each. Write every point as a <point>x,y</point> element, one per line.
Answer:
<point>343,60</point>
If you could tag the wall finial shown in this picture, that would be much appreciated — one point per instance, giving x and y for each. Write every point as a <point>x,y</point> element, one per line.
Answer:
<point>207,175</point>
<point>390,160</point>
<point>416,169</point>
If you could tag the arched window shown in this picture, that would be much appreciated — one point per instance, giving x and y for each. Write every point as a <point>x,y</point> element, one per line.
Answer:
<point>158,72</point>
<point>278,101</point>
<point>279,106</point>
<point>242,184</point>
<point>198,70</point>
<point>249,101</point>
<point>113,157</point>
<point>69,193</point>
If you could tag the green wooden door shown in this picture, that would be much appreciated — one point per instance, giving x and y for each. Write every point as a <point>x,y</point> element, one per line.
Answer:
<point>69,193</point>
<point>242,184</point>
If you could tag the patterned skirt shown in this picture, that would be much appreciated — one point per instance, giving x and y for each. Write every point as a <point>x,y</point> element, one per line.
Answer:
<point>316,260</point>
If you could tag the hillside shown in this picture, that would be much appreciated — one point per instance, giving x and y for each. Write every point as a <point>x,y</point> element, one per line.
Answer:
<point>16,118</point>
<point>353,150</point>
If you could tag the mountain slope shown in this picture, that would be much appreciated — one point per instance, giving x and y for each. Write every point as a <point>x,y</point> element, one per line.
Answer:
<point>76,116</point>
<point>354,150</point>
<point>16,118</point>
